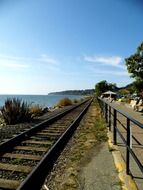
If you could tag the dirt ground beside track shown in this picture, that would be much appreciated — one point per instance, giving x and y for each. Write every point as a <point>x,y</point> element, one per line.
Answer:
<point>85,163</point>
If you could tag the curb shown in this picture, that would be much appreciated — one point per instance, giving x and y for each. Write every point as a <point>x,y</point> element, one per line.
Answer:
<point>127,182</point>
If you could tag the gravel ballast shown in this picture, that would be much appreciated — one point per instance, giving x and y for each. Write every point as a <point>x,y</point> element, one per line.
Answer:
<point>68,171</point>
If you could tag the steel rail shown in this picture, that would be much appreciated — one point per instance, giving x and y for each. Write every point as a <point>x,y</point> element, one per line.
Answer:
<point>36,178</point>
<point>5,146</point>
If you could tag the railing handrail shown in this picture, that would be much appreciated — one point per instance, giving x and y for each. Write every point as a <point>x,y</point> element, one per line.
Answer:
<point>106,107</point>
<point>139,124</point>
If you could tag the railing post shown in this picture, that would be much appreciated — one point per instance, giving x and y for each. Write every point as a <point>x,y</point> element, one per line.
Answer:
<point>114,127</point>
<point>109,118</point>
<point>129,145</point>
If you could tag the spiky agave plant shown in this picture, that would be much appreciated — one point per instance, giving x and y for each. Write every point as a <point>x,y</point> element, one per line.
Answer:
<point>15,111</point>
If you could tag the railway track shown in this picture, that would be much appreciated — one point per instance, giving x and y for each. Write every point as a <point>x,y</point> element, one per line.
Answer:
<point>26,159</point>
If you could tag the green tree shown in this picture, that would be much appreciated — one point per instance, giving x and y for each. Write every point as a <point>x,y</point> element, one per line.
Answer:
<point>124,92</point>
<point>104,86</point>
<point>135,66</point>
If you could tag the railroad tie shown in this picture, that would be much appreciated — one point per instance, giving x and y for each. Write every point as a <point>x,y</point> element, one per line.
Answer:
<point>9,184</point>
<point>37,142</point>
<point>17,168</point>
<point>38,149</point>
<point>22,156</point>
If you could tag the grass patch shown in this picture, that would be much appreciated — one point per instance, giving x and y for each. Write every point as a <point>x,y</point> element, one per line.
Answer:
<point>100,130</point>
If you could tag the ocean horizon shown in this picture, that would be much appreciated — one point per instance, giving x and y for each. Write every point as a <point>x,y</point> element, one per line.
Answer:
<point>41,100</point>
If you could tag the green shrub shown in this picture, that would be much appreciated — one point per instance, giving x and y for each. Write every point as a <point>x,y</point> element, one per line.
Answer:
<point>64,102</point>
<point>15,111</point>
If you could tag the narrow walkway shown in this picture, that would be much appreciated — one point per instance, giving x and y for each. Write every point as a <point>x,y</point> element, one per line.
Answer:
<point>138,134</point>
<point>100,172</point>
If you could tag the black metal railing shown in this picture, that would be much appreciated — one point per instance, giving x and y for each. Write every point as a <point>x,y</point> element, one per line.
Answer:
<point>110,114</point>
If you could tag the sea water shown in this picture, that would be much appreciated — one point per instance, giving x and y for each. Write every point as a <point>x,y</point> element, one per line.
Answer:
<point>41,100</point>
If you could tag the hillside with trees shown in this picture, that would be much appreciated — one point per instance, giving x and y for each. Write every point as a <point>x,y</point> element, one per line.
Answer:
<point>104,86</point>
<point>74,92</point>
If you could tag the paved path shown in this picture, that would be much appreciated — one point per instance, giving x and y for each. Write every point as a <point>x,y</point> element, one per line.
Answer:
<point>100,172</point>
<point>137,146</point>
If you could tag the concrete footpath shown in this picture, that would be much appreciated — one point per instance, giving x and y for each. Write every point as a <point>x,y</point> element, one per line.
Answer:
<point>107,169</point>
<point>100,173</point>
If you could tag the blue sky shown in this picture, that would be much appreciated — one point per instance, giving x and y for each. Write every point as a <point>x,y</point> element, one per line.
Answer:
<point>54,45</point>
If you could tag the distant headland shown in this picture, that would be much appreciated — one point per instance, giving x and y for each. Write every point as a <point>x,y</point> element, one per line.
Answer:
<point>74,92</point>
